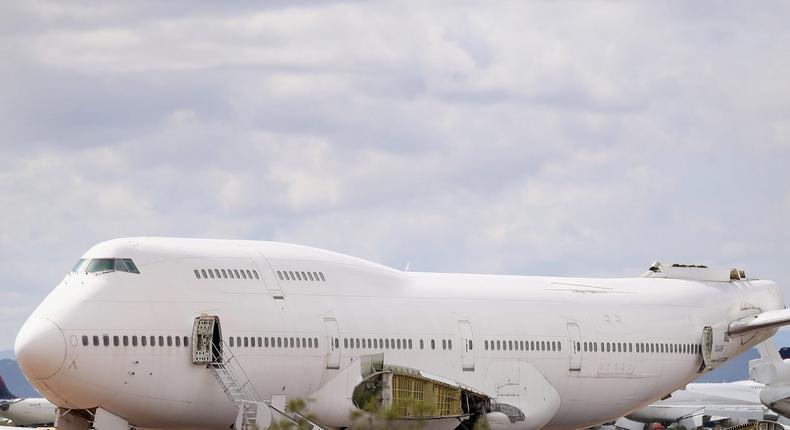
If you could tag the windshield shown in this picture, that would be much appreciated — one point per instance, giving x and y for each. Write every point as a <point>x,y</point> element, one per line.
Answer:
<point>80,266</point>
<point>101,265</point>
<point>97,265</point>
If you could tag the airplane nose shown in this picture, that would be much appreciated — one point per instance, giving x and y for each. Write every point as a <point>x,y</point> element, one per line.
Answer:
<point>40,348</point>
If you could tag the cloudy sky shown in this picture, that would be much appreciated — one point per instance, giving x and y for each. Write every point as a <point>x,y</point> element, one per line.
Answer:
<point>551,138</point>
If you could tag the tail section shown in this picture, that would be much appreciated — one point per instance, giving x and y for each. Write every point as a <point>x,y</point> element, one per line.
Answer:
<point>4,393</point>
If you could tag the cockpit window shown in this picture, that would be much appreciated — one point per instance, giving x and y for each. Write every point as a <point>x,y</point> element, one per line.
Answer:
<point>105,265</point>
<point>101,265</point>
<point>130,265</point>
<point>80,266</point>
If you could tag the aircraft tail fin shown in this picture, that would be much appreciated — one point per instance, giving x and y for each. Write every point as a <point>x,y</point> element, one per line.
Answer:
<point>4,393</point>
<point>770,367</point>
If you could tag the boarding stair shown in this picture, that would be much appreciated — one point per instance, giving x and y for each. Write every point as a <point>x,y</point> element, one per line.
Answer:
<point>236,385</point>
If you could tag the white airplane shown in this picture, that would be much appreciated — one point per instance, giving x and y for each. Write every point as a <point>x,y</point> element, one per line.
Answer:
<point>25,411</point>
<point>190,333</point>
<point>705,403</point>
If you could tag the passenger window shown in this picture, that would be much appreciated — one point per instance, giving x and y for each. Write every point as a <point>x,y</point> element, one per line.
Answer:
<point>345,342</point>
<point>255,273</point>
<point>203,272</point>
<point>224,274</point>
<point>279,342</point>
<point>230,274</point>
<point>126,341</point>
<point>310,275</point>
<point>315,275</point>
<point>170,341</point>
<point>143,340</point>
<point>211,273</point>
<point>266,342</point>
<point>249,275</point>
<point>178,341</point>
<point>498,347</point>
<point>398,344</point>
<point>322,276</point>
<point>106,340</point>
<point>450,344</point>
<point>95,340</point>
<point>216,272</point>
<point>236,271</point>
<point>197,274</point>
<point>559,346</point>
<point>246,342</point>
<point>444,344</point>
<point>280,275</point>
<point>422,344</point>
<point>409,343</point>
<point>433,344</point>
<point>153,341</point>
<point>357,342</point>
<point>298,277</point>
<point>292,342</point>
<point>116,341</point>
<point>336,343</point>
<point>304,276</point>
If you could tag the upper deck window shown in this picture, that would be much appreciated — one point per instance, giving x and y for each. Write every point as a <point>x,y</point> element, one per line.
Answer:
<point>105,265</point>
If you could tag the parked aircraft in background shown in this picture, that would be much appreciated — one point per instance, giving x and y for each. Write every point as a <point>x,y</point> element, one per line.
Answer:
<point>707,404</point>
<point>162,332</point>
<point>25,412</point>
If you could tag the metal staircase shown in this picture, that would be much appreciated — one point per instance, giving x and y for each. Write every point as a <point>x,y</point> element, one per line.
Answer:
<point>237,386</point>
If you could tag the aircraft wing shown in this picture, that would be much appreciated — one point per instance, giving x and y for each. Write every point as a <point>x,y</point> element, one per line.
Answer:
<point>761,321</point>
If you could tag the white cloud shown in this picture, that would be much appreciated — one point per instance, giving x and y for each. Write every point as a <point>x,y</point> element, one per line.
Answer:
<point>545,138</point>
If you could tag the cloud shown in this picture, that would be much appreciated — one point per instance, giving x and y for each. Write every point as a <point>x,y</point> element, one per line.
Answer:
<point>526,138</point>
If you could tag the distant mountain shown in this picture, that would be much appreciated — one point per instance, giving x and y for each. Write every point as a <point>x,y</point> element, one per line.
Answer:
<point>15,381</point>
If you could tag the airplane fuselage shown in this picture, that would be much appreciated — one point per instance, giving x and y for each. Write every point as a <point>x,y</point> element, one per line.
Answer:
<point>603,347</point>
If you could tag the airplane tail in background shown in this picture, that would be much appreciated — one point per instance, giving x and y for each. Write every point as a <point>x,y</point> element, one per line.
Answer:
<point>4,393</point>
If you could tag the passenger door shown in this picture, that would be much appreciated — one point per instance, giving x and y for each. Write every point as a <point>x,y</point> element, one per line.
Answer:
<point>467,349</point>
<point>575,347</point>
<point>332,343</point>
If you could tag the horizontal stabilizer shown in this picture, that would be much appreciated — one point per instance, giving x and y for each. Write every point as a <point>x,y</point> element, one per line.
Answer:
<point>761,321</point>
